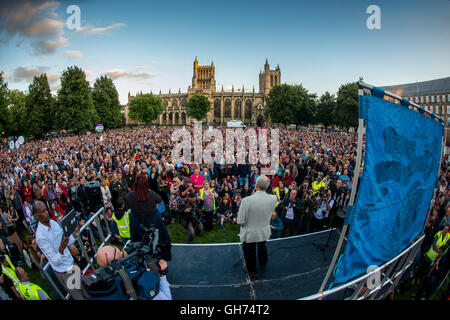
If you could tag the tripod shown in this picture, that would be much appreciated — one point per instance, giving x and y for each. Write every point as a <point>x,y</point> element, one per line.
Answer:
<point>323,247</point>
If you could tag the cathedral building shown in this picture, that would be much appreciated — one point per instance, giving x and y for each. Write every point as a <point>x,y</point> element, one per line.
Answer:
<point>225,105</point>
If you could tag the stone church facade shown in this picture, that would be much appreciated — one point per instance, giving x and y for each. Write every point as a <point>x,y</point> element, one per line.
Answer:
<point>225,105</point>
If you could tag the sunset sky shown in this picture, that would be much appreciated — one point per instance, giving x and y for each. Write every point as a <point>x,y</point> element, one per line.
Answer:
<point>150,45</point>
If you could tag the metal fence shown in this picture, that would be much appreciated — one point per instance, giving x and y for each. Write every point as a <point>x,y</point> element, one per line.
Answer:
<point>103,237</point>
<point>367,287</point>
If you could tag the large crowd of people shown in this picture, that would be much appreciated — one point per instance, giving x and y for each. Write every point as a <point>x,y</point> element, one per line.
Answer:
<point>312,184</point>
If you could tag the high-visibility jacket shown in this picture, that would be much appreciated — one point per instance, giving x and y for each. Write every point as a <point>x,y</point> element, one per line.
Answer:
<point>277,193</point>
<point>317,185</point>
<point>29,291</point>
<point>442,240</point>
<point>10,271</point>
<point>214,198</point>
<point>123,224</point>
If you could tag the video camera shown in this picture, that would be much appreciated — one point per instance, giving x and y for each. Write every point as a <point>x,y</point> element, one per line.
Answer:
<point>145,251</point>
<point>137,275</point>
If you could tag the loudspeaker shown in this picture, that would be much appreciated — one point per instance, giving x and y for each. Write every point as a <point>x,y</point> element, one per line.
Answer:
<point>93,195</point>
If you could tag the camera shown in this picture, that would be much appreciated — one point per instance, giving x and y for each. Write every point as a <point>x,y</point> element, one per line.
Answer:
<point>128,276</point>
<point>144,252</point>
<point>193,214</point>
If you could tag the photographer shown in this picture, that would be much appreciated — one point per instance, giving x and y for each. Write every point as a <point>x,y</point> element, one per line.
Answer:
<point>190,216</point>
<point>341,204</point>
<point>307,209</point>
<point>224,212</point>
<point>290,208</point>
<point>324,204</point>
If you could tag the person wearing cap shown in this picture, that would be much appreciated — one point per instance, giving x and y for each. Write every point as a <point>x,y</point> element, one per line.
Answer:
<point>28,290</point>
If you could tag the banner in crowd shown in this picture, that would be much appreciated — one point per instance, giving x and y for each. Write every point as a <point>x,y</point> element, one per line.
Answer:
<point>401,167</point>
<point>99,127</point>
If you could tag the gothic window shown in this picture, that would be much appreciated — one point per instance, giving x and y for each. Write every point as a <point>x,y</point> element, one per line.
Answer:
<point>248,109</point>
<point>217,108</point>
<point>227,111</point>
<point>237,109</point>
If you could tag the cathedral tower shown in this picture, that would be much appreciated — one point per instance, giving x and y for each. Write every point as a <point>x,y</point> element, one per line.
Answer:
<point>269,78</point>
<point>204,77</point>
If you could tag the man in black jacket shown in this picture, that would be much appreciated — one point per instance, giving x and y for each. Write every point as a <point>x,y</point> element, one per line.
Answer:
<point>81,197</point>
<point>290,212</point>
<point>190,213</point>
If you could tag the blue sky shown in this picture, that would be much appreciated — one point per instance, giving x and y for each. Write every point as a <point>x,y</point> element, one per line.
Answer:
<point>150,45</point>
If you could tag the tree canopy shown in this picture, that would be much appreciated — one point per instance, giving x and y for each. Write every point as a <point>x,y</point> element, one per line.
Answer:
<point>3,103</point>
<point>346,111</point>
<point>75,109</point>
<point>325,109</point>
<point>290,104</point>
<point>198,106</point>
<point>39,107</point>
<point>17,114</point>
<point>145,108</point>
<point>106,102</point>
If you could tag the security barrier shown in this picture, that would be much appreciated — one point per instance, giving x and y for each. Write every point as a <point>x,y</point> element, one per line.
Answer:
<point>376,284</point>
<point>102,237</point>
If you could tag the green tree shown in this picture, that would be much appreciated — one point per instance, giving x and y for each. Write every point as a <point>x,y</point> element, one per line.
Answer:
<point>145,108</point>
<point>346,109</point>
<point>3,104</point>
<point>198,106</point>
<point>75,109</point>
<point>39,107</point>
<point>106,102</point>
<point>290,104</point>
<point>325,108</point>
<point>17,114</point>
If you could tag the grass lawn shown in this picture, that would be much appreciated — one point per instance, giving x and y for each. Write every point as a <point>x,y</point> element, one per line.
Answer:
<point>179,235</point>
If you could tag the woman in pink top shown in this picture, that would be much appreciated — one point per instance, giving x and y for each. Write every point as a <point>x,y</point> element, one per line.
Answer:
<point>197,179</point>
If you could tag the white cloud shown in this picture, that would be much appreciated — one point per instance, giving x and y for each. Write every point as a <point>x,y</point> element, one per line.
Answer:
<point>28,21</point>
<point>120,73</point>
<point>91,30</point>
<point>45,28</point>
<point>27,74</point>
<point>74,54</point>
<point>88,73</point>
<point>143,67</point>
<point>49,47</point>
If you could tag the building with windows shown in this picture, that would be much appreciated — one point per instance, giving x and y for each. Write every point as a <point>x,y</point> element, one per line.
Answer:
<point>237,104</point>
<point>433,95</point>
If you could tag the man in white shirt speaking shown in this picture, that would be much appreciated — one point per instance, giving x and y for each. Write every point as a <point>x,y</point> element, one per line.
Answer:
<point>254,217</point>
<point>53,244</point>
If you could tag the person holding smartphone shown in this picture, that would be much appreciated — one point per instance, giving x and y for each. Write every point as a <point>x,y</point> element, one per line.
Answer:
<point>53,244</point>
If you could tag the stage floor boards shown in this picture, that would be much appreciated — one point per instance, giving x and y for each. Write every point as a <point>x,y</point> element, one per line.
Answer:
<point>296,268</point>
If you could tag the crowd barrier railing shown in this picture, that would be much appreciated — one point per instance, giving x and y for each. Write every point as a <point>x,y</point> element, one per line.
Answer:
<point>103,237</point>
<point>364,287</point>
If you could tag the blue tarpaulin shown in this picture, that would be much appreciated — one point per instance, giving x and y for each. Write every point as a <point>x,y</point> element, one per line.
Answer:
<point>401,166</point>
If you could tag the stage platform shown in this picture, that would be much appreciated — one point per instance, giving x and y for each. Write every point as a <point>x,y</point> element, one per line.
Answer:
<point>296,268</point>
